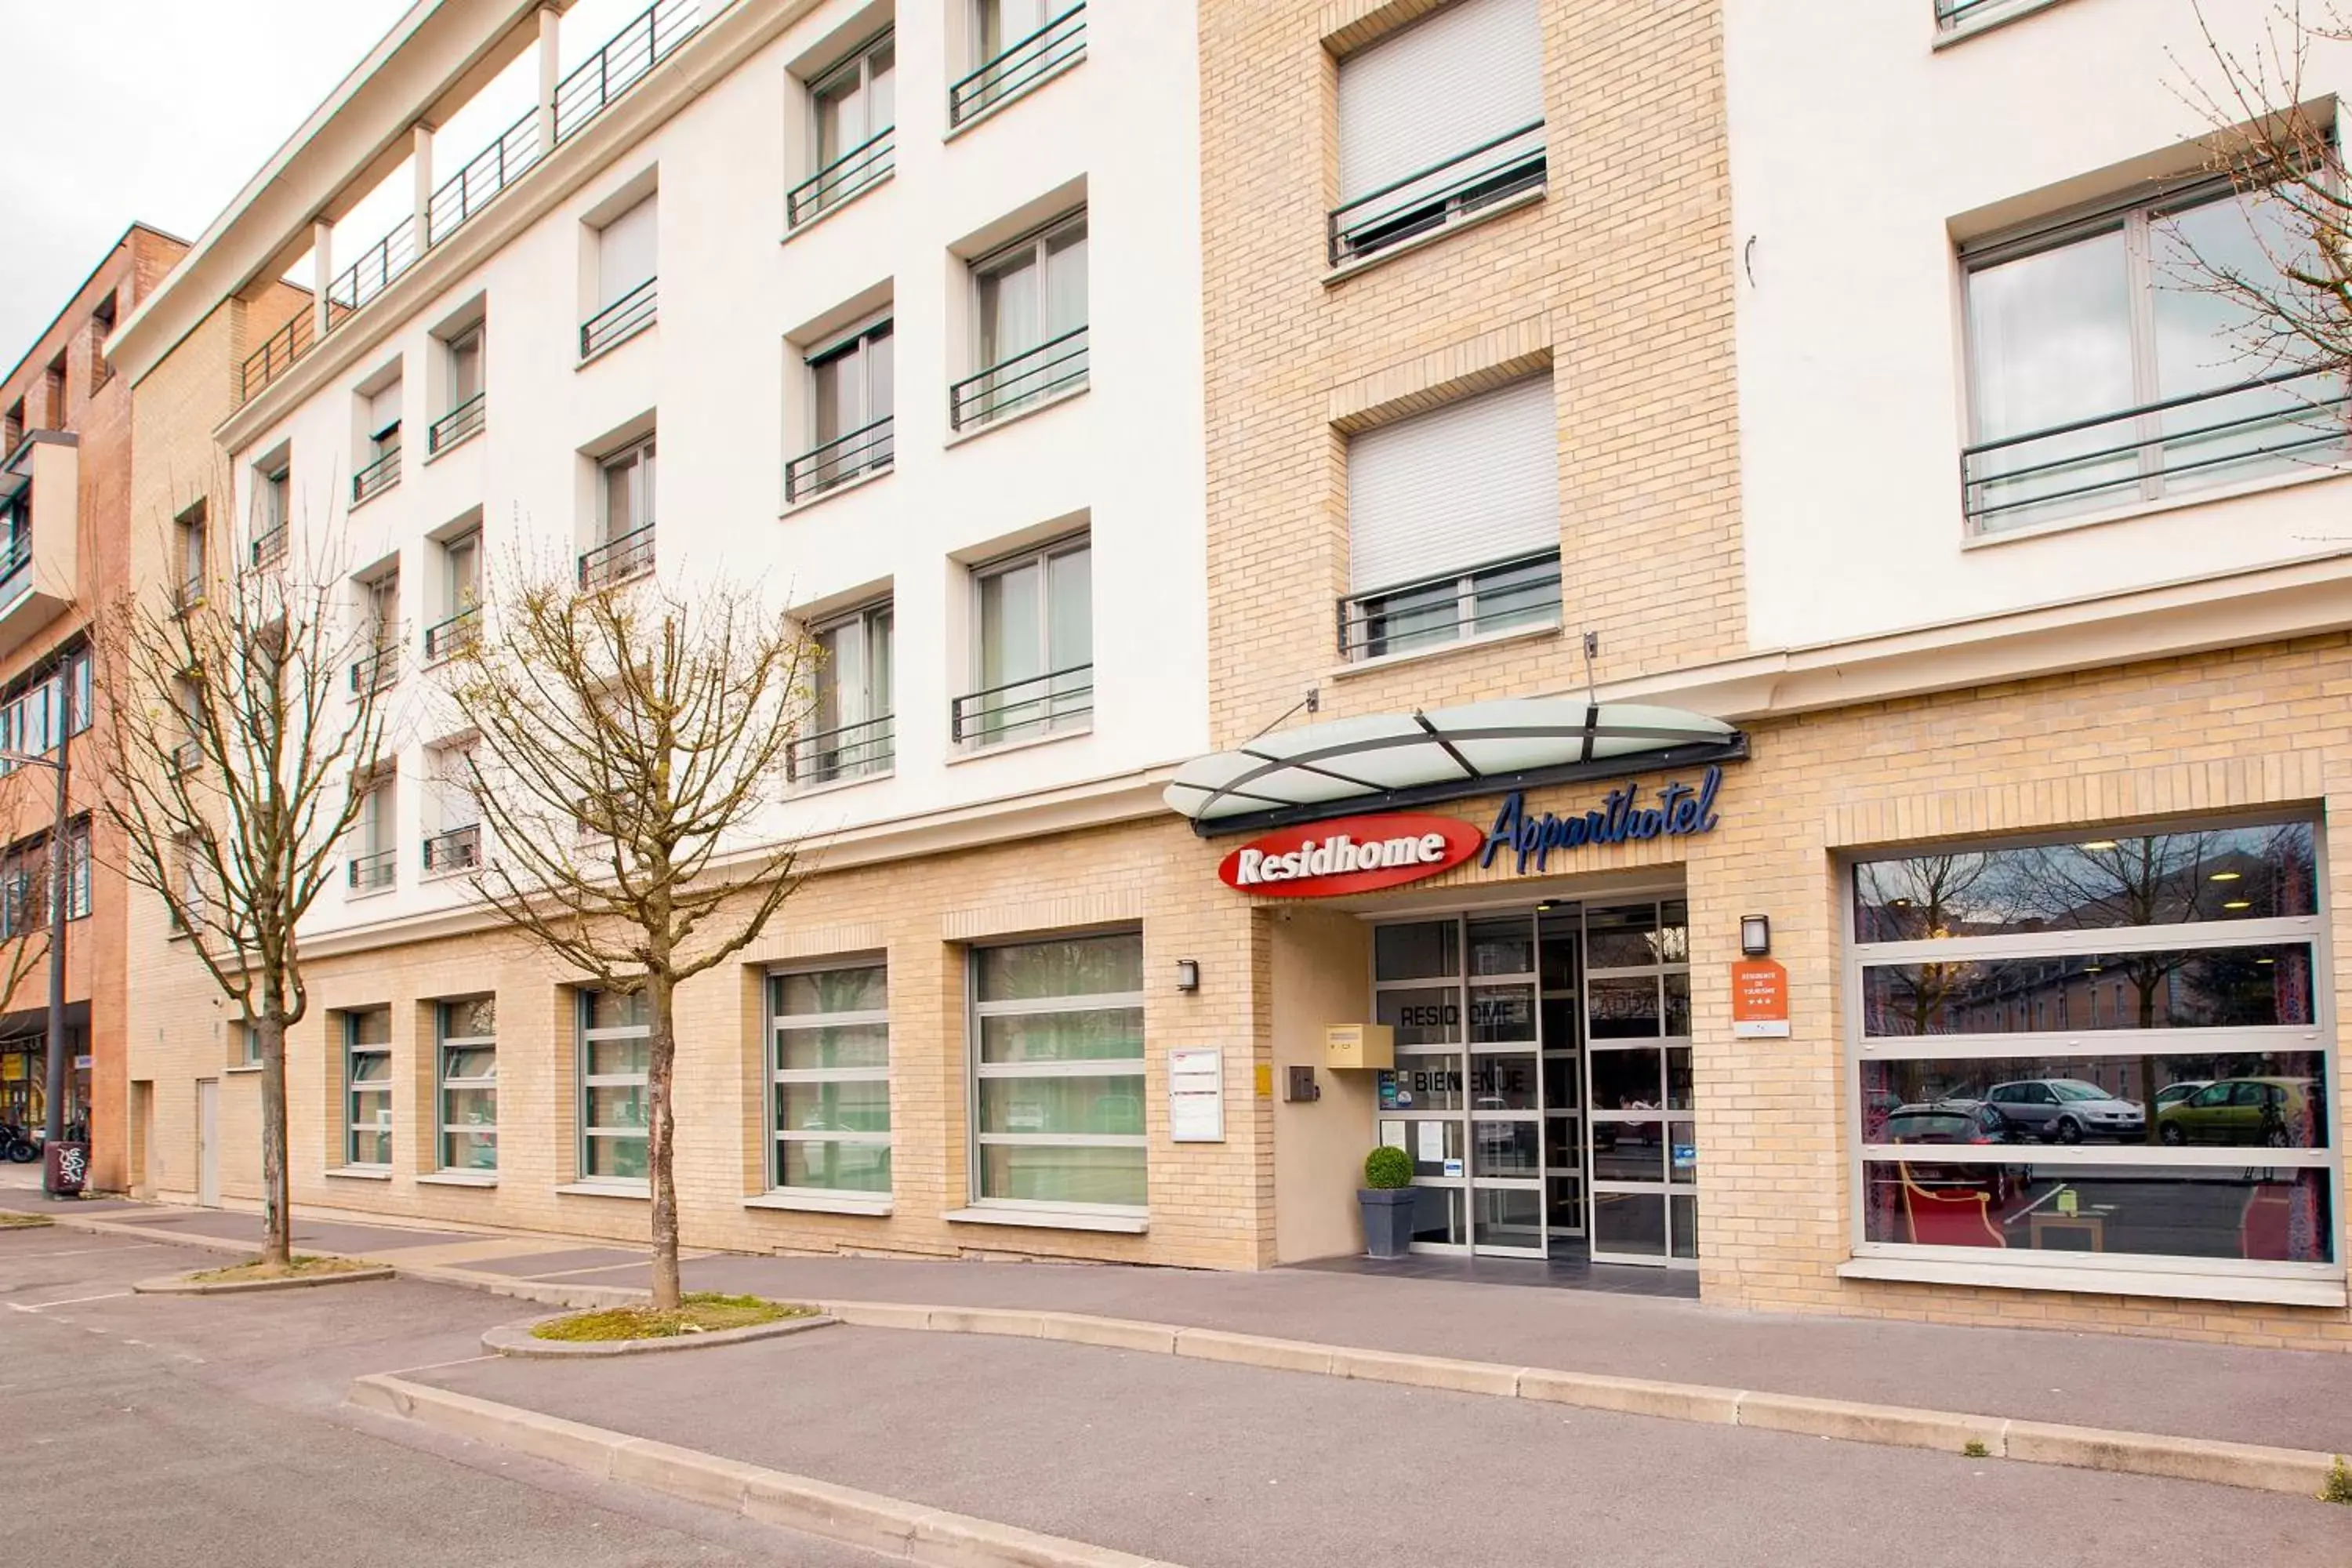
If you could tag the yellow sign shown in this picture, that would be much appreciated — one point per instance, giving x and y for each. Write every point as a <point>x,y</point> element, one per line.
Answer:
<point>1264,1076</point>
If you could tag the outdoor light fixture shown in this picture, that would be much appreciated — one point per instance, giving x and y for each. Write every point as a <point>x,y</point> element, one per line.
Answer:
<point>1755,935</point>
<point>1188,974</point>
<point>2226,877</point>
<point>2239,904</point>
<point>2099,844</point>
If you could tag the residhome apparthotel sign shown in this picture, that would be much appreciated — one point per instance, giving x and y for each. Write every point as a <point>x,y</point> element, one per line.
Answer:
<point>1363,854</point>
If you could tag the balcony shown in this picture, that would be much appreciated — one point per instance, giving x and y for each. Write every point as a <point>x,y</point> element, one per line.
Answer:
<point>453,635</point>
<point>470,189</point>
<point>187,757</point>
<point>372,872</point>
<point>377,477</point>
<point>1055,368</point>
<point>2272,427</point>
<point>855,171</point>
<point>268,547</point>
<point>276,355</point>
<point>40,508</point>
<point>455,850</point>
<point>1442,195</point>
<point>621,64</point>
<point>374,671</point>
<point>460,423</point>
<point>622,319</point>
<point>1025,63</point>
<point>1021,710</point>
<point>851,750</point>
<point>1475,602</point>
<point>372,273</point>
<point>838,461</point>
<point>1951,14</point>
<point>619,560</point>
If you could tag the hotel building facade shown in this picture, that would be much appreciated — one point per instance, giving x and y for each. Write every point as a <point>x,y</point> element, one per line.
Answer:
<point>1437,536</point>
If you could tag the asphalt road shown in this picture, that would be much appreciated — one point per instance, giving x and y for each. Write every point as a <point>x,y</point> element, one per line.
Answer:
<point>193,1433</point>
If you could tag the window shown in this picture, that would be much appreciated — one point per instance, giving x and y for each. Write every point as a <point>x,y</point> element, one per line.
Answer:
<point>101,326</point>
<point>79,683</point>
<point>1031,300</point>
<point>2105,373</point>
<point>1036,648</point>
<point>1438,122</point>
<point>856,109</point>
<point>374,864</point>
<point>2128,1141</point>
<point>53,386</point>
<point>17,542</point>
<point>188,857</point>
<point>244,1043</point>
<point>615,1052</point>
<point>1453,524</point>
<point>12,427</point>
<point>625,296</point>
<point>468,1077</point>
<point>466,366</point>
<point>367,1086</point>
<point>378,665</point>
<point>188,551</point>
<point>850,383</point>
<point>78,867</point>
<point>33,720</point>
<point>624,515</point>
<point>853,732</point>
<point>461,597</point>
<point>456,843</point>
<point>1644,1156</point>
<point>1017,45</point>
<point>378,469</point>
<point>1057,1088</point>
<point>831,1074</point>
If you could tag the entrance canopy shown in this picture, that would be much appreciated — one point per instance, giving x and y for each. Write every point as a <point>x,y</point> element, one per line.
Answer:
<point>1391,760</point>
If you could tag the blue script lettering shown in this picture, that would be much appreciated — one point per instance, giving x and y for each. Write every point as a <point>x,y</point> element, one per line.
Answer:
<point>1679,812</point>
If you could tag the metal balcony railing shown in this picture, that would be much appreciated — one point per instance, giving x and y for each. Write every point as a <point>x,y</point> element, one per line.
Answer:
<point>15,557</point>
<point>865,166</point>
<point>471,188</point>
<point>1055,366</point>
<point>1440,194</point>
<point>465,420</point>
<point>1025,64</point>
<point>448,637</point>
<point>457,849</point>
<point>376,869</point>
<point>1057,700</point>
<point>2274,423</point>
<point>1473,602</point>
<point>276,355</point>
<point>374,671</point>
<point>850,751</point>
<point>187,757</point>
<point>377,477</point>
<point>865,450</point>
<point>373,271</point>
<point>1950,13</point>
<point>619,560</point>
<point>187,595</point>
<point>269,548</point>
<point>625,318</point>
<point>636,48</point>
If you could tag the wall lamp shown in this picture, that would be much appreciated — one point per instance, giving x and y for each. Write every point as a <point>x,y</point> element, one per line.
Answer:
<point>1755,935</point>
<point>1188,974</point>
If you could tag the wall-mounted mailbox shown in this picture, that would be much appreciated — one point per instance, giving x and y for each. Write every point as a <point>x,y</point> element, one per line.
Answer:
<point>1299,1086</point>
<point>1358,1046</point>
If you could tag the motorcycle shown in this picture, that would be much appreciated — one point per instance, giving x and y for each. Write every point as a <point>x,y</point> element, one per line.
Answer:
<point>18,1146</point>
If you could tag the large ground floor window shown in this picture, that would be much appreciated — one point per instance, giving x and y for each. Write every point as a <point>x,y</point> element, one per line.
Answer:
<point>469,1083</point>
<point>1057,1076</point>
<point>367,1086</point>
<point>2104,1051</point>
<point>831,1079</point>
<point>615,1054</point>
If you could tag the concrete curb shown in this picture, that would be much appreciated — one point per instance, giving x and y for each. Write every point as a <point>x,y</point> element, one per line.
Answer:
<point>908,1531</point>
<point>176,1286</point>
<point>516,1339</point>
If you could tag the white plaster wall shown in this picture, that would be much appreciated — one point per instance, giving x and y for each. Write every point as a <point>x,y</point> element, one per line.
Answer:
<point>1855,144</point>
<point>714,372</point>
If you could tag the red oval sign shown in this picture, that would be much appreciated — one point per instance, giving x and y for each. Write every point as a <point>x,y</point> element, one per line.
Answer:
<point>1349,855</point>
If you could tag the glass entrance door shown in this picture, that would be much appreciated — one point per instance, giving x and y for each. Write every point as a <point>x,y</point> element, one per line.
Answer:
<point>1507,1188</point>
<point>1644,1148</point>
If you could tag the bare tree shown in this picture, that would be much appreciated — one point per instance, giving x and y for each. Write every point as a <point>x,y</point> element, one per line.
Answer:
<point>630,740</point>
<point>239,719</point>
<point>2293,283</point>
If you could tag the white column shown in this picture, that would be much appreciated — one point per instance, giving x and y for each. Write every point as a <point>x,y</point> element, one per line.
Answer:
<point>551,74</point>
<point>420,158</point>
<point>322,271</point>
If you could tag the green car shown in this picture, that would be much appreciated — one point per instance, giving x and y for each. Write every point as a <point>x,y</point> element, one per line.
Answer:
<point>2273,1112</point>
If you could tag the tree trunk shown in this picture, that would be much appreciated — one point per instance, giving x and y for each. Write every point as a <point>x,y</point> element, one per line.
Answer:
<point>277,1197</point>
<point>660,1143</point>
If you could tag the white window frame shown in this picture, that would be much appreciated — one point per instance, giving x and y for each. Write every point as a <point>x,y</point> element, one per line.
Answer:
<point>443,1084</point>
<point>872,756</point>
<point>779,1024</point>
<point>354,1127</point>
<point>1136,1067</point>
<point>1076,718</point>
<point>638,457</point>
<point>860,63</point>
<point>585,1002</point>
<point>2133,1273</point>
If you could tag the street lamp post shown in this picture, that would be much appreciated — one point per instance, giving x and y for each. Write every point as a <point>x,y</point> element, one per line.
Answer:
<point>53,1090</point>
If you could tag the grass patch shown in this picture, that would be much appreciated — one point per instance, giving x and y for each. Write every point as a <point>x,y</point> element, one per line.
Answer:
<point>2338,1488</point>
<point>23,1221</point>
<point>703,1312</point>
<point>303,1267</point>
<point>1975,1450</point>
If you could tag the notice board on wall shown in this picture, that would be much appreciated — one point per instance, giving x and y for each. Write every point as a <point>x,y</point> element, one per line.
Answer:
<point>1196,1095</point>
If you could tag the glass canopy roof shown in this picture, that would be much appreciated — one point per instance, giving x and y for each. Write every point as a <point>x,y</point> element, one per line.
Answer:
<point>1387,761</point>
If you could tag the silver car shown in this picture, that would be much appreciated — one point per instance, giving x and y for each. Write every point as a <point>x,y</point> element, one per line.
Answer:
<point>2066,1111</point>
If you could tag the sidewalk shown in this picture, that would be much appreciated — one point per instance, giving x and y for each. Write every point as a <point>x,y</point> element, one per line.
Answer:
<point>2298,1399</point>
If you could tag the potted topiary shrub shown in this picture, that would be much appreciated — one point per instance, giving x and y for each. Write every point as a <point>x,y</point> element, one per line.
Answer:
<point>1387,1200</point>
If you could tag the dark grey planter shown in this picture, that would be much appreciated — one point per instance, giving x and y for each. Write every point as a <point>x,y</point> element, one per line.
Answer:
<point>1388,1220</point>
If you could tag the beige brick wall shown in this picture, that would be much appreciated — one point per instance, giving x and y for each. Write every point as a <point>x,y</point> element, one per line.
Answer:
<point>1620,280</point>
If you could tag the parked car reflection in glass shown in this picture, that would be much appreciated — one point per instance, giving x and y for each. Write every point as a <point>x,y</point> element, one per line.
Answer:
<point>2266,1113</point>
<point>2067,1110</point>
